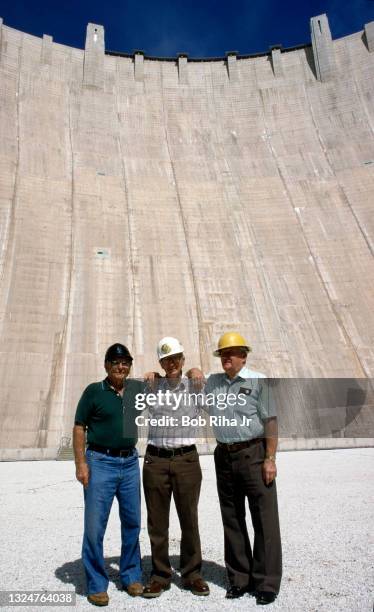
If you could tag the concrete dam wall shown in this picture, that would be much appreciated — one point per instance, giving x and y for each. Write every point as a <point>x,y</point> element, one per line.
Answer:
<point>144,197</point>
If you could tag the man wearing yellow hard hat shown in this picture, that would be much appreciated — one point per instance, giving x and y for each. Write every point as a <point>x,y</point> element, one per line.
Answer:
<point>245,468</point>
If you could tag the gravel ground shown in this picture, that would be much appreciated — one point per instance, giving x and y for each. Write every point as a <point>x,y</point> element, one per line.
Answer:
<point>326,513</point>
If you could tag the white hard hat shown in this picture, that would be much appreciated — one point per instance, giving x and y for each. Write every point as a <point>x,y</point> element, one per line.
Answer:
<point>168,346</point>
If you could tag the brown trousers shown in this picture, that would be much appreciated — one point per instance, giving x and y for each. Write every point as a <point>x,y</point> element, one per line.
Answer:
<point>239,476</point>
<point>179,476</point>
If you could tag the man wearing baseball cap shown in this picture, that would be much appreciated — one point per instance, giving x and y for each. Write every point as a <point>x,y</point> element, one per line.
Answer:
<point>172,467</point>
<point>245,468</point>
<point>109,468</point>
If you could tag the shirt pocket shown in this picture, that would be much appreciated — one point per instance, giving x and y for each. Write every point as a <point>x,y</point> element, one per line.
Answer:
<point>247,402</point>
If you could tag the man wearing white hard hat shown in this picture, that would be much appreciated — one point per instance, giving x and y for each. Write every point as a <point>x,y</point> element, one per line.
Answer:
<point>245,468</point>
<point>171,467</point>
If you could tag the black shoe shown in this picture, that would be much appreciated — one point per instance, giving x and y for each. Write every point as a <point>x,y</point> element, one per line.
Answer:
<point>234,592</point>
<point>263,598</point>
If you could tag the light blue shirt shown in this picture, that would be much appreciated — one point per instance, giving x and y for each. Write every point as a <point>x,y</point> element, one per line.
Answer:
<point>238,407</point>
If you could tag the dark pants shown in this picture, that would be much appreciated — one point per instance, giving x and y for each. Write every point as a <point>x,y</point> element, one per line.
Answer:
<point>179,476</point>
<point>239,476</point>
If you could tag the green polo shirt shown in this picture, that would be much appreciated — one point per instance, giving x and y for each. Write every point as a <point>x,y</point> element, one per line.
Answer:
<point>108,416</point>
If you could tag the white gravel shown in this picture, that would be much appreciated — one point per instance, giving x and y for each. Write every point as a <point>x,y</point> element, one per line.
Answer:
<point>326,512</point>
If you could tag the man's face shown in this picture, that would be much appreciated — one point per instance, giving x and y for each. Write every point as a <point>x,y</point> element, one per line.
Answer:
<point>233,360</point>
<point>173,365</point>
<point>117,370</point>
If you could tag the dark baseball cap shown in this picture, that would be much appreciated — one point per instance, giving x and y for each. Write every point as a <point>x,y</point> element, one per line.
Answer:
<point>117,351</point>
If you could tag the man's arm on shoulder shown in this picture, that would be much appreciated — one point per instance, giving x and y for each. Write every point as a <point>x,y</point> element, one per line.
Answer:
<point>197,378</point>
<point>205,380</point>
<point>151,380</point>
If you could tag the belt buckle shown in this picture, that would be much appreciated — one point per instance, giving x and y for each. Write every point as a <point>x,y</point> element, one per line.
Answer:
<point>125,452</point>
<point>236,446</point>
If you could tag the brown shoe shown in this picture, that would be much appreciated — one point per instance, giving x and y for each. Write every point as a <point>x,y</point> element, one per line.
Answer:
<point>134,589</point>
<point>197,587</point>
<point>98,599</point>
<point>155,589</point>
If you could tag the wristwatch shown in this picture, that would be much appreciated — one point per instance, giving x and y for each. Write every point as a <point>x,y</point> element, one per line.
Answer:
<point>270,457</point>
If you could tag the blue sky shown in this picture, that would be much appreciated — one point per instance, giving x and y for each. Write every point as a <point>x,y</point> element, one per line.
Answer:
<point>202,28</point>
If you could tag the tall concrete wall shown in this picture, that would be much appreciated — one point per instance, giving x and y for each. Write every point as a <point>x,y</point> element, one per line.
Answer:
<point>142,198</point>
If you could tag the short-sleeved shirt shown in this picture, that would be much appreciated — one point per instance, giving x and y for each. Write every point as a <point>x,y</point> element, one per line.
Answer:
<point>176,404</point>
<point>240,405</point>
<point>108,416</point>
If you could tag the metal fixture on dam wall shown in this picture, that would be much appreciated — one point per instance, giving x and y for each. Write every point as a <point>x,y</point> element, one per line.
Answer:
<point>143,197</point>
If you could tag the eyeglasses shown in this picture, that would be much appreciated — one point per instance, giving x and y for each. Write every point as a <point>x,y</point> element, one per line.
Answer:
<point>123,362</point>
<point>233,352</point>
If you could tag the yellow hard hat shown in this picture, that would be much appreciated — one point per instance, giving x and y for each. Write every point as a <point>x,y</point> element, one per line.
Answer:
<point>231,339</point>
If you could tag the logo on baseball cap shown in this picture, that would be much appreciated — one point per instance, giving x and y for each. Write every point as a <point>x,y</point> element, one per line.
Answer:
<point>117,351</point>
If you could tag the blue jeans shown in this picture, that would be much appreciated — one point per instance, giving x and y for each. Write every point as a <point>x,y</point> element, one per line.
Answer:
<point>109,477</point>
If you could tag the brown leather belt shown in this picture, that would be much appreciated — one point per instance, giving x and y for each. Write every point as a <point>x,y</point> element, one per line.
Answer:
<point>237,446</point>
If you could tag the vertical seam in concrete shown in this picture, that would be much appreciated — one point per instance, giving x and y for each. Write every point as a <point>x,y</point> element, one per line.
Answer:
<point>362,100</point>
<point>185,231</point>
<point>59,351</point>
<point>131,234</point>
<point>9,243</point>
<point>319,274</point>
<point>69,301</point>
<point>259,269</point>
<point>342,192</point>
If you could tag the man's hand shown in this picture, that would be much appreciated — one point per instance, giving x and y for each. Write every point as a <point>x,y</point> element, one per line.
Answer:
<point>197,378</point>
<point>82,473</point>
<point>151,379</point>
<point>269,471</point>
<point>269,468</point>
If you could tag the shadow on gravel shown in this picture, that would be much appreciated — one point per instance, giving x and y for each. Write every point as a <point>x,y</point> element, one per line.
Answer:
<point>72,572</point>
